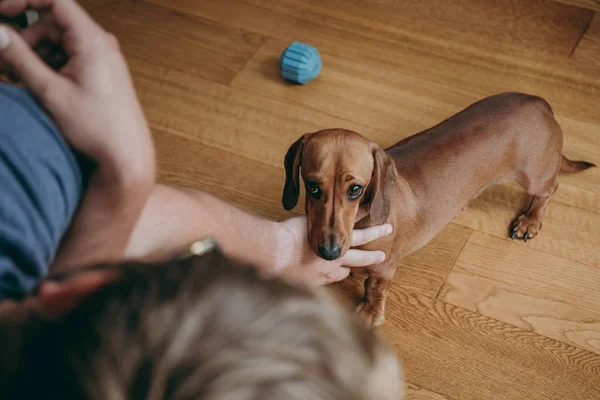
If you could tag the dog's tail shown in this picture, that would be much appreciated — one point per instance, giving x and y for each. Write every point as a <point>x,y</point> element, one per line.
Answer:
<point>567,165</point>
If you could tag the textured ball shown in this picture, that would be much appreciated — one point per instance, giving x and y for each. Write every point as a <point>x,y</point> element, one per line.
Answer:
<point>300,63</point>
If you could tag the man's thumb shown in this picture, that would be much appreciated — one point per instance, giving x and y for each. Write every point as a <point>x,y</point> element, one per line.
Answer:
<point>25,63</point>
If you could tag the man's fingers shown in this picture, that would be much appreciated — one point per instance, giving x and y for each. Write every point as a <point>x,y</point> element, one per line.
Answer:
<point>70,17</point>
<point>38,36</point>
<point>364,236</point>
<point>361,258</point>
<point>12,8</point>
<point>76,22</point>
<point>45,28</point>
<point>42,37</point>
<point>336,275</point>
<point>23,62</point>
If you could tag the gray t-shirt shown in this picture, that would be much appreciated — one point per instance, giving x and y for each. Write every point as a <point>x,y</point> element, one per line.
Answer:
<point>41,183</point>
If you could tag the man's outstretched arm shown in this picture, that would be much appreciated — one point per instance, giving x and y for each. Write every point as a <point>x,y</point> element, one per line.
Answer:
<point>176,217</point>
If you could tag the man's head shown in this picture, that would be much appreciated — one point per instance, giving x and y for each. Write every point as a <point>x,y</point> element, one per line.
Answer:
<point>341,170</point>
<point>200,328</point>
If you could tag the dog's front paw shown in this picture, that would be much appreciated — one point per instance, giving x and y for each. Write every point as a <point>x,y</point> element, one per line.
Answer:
<point>372,317</point>
<point>525,227</point>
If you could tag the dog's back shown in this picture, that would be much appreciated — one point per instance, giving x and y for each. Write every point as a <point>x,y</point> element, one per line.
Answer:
<point>422,182</point>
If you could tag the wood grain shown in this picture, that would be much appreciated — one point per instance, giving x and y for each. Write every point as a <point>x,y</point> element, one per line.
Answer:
<point>507,27</point>
<point>365,93</point>
<point>591,4</point>
<point>464,355</point>
<point>176,40</point>
<point>250,187</point>
<point>425,271</point>
<point>258,180</point>
<point>512,320</point>
<point>414,392</point>
<point>520,286</point>
<point>257,126</point>
<point>568,231</point>
<point>588,49</point>
<point>581,141</point>
<point>480,72</point>
<point>395,102</point>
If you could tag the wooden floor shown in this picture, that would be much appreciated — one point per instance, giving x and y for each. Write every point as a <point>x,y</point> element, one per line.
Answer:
<point>472,315</point>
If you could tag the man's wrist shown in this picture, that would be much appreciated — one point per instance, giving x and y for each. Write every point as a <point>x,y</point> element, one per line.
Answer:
<point>284,247</point>
<point>124,176</point>
<point>110,209</point>
<point>128,166</point>
<point>264,249</point>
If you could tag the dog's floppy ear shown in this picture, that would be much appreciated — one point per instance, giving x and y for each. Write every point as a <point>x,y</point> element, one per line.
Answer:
<point>383,182</point>
<point>293,158</point>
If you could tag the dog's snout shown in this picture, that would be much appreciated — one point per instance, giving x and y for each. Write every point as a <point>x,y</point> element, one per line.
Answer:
<point>330,250</point>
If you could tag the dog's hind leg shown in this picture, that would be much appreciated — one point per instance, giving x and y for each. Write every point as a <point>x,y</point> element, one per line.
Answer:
<point>528,225</point>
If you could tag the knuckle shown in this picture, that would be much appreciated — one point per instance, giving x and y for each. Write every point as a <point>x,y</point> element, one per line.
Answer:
<point>103,39</point>
<point>357,238</point>
<point>44,91</point>
<point>113,42</point>
<point>372,235</point>
<point>334,276</point>
<point>100,39</point>
<point>364,260</point>
<point>56,98</point>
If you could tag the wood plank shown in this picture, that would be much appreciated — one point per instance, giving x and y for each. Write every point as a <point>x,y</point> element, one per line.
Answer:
<point>568,232</point>
<point>255,126</point>
<point>588,50</point>
<point>205,123</point>
<point>387,77</point>
<point>251,185</point>
<point>394,102</point>
<point>175,40</point>
<point>192,140</point>
<point>510,27</point>
<point>581,142</point>
<point>590,4</point>
<point>362,92</point>
<point>535,291</point>
<point>564,82</point>
<point>261,128</point>
<point>463,355</point>
<point>388,100</point>
<point>425,271</point>
<point>414,392</point>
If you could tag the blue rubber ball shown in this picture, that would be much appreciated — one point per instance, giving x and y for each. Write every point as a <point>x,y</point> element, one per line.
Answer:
<point>300,63</point>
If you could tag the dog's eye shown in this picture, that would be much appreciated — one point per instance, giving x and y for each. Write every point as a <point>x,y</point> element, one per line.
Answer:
<point>312,188</point>
<point>355,191</point>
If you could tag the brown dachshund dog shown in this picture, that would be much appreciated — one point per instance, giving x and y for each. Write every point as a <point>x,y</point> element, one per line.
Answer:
<point>421,183</point>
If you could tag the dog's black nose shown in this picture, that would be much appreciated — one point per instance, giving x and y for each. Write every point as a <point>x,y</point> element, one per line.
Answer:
<point>330,252</point>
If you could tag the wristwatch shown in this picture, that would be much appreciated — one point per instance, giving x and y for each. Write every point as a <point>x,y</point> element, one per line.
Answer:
<point>204,246</point>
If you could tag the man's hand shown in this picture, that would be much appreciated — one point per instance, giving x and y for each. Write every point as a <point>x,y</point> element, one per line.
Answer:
<point>79,74</point>
<point>296,260</point>
<point>175,217</point>
<point>91,95</point>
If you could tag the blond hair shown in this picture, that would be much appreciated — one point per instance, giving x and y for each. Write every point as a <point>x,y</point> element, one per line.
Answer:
<point>205,328</point>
